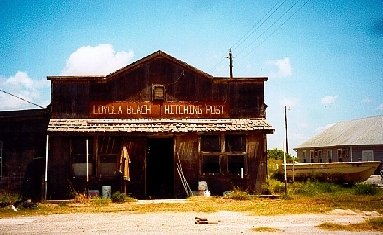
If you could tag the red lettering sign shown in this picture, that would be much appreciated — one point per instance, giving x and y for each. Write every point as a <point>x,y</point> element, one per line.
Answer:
<point>158,110</point>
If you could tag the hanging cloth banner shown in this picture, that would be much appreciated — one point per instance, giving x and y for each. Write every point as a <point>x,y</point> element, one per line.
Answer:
<point>124,164</point>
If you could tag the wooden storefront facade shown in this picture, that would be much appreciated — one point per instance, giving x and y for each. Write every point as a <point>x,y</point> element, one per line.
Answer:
<point>152,118</point>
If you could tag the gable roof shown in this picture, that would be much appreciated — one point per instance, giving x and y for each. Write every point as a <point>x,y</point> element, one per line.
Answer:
<point>156,55</point>
<point>365,131</point>
<point>141,62</point>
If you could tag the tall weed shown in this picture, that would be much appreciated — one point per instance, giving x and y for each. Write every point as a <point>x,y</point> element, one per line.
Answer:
<point>314,188</point>
<point>365,189</point>
<point>272,186</point>
<point>238,194</point>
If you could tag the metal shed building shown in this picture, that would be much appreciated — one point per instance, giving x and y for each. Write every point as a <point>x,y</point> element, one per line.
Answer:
<point>347,141</point>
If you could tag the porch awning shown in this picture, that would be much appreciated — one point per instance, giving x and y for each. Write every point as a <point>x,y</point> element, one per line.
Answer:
<point>158,125</point>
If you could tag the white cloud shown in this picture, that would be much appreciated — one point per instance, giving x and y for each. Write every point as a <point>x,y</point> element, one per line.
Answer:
<point>98,60</point>
<point>280,68</point>
<point>328,100</point>
<point>380,107</point>
<point>23,86</point>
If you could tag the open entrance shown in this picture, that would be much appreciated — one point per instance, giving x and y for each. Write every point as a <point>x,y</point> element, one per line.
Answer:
<point>160,168</point>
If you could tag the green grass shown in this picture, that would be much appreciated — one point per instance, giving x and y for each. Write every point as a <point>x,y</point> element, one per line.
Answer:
<point>374,224</point>
<point>311,197</point>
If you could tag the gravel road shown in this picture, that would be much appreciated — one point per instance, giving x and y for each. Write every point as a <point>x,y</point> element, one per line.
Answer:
<point>224,222</point>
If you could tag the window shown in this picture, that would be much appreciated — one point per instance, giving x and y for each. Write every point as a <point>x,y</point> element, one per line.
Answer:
<point>235,143</point>
<point>109,150</point>
<point>235,163</point>
<point>341,155</point>
<point>211,164</point>
<point>304,156</point>
<point>329,155</point>
<point>78,154</point>
<point>320,156</point>
<point>210,143</point>
<point>225,154</point>
<point>158,92</point>
<point>78,147</point>
<point>312,155</point>
<point>367,155</point>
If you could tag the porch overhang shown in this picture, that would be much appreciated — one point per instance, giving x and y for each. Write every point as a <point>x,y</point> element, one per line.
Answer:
<point>158,125</point>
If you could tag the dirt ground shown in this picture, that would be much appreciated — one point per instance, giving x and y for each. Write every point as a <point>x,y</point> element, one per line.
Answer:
<point>223,222</point>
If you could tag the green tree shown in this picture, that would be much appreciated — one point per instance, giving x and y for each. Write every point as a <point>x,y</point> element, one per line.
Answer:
<point>277,154</point>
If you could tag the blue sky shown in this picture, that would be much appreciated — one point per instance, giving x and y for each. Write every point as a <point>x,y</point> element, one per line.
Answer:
<point>323,58</point>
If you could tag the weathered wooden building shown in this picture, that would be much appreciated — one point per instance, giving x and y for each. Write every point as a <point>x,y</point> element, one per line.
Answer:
<point>22,151</point>
<point>153,116</point>
<point>347,141</point>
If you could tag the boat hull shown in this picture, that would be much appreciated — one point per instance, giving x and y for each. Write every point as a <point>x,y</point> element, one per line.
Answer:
<point>341,172</point>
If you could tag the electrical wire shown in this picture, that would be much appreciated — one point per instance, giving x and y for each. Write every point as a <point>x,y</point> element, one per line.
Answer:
<point>22,99</point>
<point>263,21</point>
<point>268,28</point>
<point>259,24</point>
<point>279,26</point>
<point>253,29</point>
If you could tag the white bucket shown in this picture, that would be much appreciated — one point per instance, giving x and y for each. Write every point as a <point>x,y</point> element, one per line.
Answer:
<point>106,191</point>
<point>202,186</point>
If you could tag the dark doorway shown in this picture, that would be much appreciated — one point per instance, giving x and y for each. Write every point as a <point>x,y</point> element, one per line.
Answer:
<point>160,168</point>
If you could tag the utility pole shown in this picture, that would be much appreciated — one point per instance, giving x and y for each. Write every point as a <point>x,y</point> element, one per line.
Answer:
<point>231,63</point>
<point>287,143</point>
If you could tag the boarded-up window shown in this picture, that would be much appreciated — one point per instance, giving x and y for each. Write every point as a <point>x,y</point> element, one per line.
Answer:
<point>158,92</point>
<point>211,164</point>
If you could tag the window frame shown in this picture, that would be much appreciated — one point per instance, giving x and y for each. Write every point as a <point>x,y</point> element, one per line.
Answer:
<point>156,89</point>
<point>204,156</point>
<point>370,152</point>
<point>223,154</point>
<point>80,165</point>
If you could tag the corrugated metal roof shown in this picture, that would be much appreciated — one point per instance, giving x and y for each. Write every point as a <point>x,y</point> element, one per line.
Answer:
<point>157,125</point>
<point>365,131</point>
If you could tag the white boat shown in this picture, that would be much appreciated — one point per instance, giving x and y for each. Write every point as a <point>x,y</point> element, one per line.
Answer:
<point>342,172</point>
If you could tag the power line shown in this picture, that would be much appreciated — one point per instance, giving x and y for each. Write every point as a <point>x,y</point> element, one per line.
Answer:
<point>267,29</point>
<point>22,99</point>
<point>272,11</point>
<point>257,25</point>
<point>254,28</point>
<point>279,26</point>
